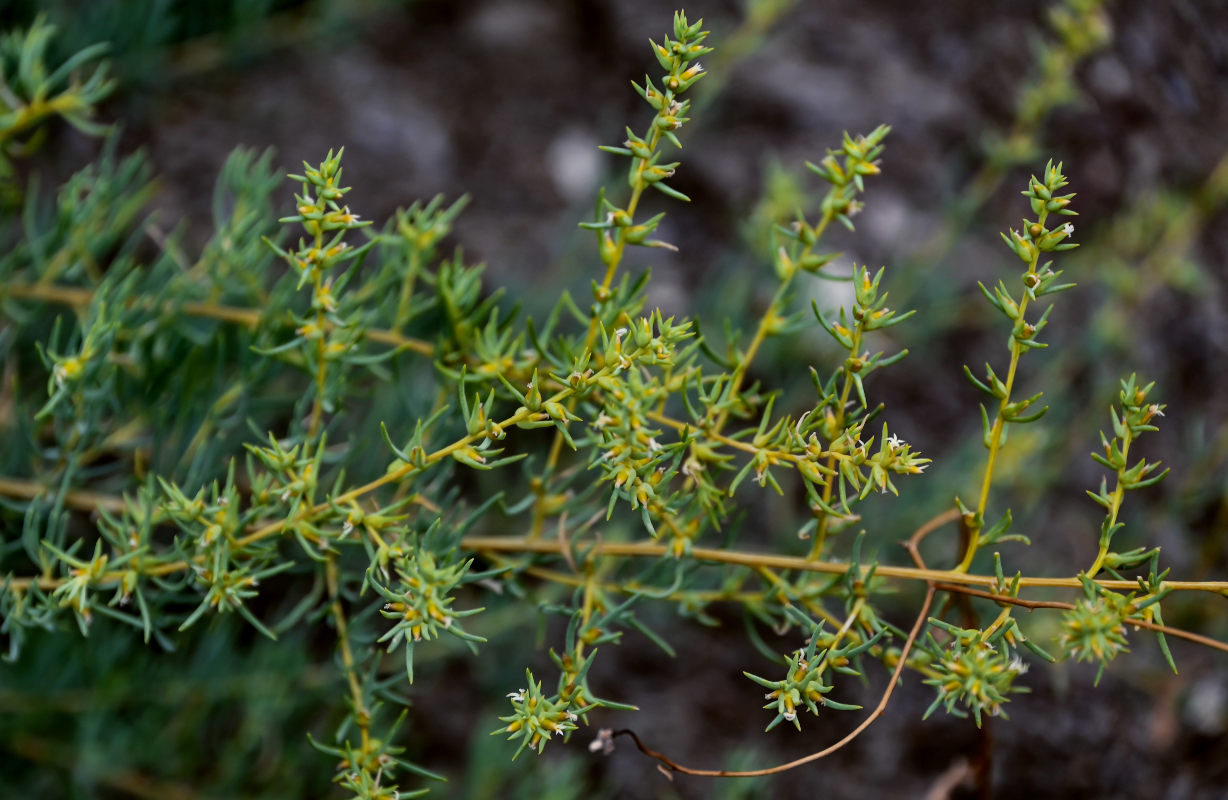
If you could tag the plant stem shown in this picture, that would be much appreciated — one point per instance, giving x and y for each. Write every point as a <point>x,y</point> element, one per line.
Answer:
<point>1119,493</point>
<point>556,446</point>
<point>999,424</point>
<point>247,317</point>
<point>321,375</point>
<point>769,318</point>
<point>407,289</point>
<point>361,715</point>
<point>820,537</point>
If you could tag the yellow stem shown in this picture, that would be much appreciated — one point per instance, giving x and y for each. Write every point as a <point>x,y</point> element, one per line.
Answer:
<point>247,317</point>
<point>321,376</point>
<point>407,289</point>
<point>820,537</point>
<point>770,317</point>
<point>361,715</point>
<point>753,560</point>
<point>1119,492</point>
<point>995,434</point>
<point>650,549</point>
<point>556,446</point>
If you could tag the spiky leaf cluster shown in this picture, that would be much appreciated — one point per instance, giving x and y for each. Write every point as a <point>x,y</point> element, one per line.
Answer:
<point>804,669</point>
<point>537,718</point>
<point>975,671</point>
<point>420,600</point>
<point>1094,630</point>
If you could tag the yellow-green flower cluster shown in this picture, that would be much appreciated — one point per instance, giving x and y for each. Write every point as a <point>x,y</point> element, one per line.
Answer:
<point>537,718</point>
<point>973,672</point>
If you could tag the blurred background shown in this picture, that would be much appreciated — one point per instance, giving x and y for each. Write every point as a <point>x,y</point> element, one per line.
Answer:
<point>507,101</point>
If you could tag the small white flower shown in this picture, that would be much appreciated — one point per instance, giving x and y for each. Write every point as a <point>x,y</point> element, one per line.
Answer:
<point>1068,229</point>
<point>895,442</point>
<point>604,743</point>
<point>517,697</point>
<point>790,715</point>
<point>1017,665</point>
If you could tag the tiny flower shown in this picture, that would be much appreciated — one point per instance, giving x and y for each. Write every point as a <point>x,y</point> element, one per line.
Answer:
<point>67,370</point>
<point>604,743</point>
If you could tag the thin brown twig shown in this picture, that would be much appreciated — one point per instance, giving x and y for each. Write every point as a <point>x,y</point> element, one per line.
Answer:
<point>913,543</point>
<point>672,766</point>
<point>981,769</point>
